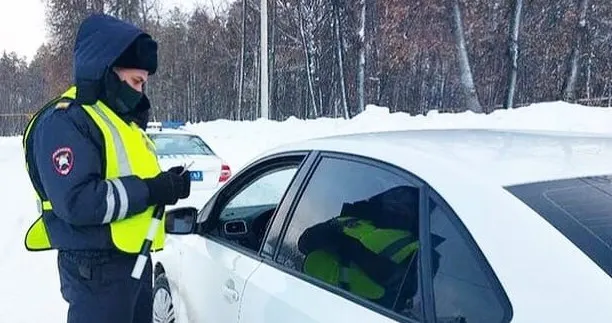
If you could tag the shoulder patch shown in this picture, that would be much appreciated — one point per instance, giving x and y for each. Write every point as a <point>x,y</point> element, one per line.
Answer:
<point>63,160</point>
<point>62,105</point>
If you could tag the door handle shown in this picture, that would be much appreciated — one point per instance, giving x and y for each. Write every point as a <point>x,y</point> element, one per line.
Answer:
<point>230,294</point>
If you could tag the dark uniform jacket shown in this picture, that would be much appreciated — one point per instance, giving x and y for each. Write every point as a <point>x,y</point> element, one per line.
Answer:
<point>66,156</point>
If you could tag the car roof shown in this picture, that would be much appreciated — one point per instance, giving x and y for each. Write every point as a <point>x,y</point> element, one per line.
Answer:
<point>501,157</point>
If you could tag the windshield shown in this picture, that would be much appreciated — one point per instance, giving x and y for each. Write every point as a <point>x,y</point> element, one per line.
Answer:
<point>178,144</point>
<point>580,208</point>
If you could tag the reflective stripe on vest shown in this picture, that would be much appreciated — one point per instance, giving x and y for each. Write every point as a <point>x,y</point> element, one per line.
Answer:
<point>394,244</point>
<point>128,152</point>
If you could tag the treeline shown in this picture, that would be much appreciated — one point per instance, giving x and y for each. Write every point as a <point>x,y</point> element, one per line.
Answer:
<point>332,57</point>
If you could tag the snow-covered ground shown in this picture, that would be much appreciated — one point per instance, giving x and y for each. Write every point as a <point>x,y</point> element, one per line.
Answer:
<point>29,280</point>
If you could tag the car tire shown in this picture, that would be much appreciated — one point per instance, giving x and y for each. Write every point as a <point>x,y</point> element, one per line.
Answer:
<point>163,307</point>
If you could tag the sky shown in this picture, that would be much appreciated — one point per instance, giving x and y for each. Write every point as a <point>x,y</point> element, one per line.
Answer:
<point>22,23</point>
<point>22,26</point>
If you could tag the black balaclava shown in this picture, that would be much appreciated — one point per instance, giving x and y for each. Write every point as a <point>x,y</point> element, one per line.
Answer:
<point>128,103</point>
<point>119,95</point>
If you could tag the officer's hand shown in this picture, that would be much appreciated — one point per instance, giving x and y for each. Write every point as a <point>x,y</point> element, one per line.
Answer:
<point>186,179</point>
<point>168,187</point>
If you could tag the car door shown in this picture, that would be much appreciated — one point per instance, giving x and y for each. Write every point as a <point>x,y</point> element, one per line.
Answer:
<point>447,280</point>
<point>280,290</point>
<point>216,265</point>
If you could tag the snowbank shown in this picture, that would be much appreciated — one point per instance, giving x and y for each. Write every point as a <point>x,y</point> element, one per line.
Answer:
<point>238,142</point>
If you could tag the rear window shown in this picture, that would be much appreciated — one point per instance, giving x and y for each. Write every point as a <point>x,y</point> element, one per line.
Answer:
<point>177,144</point>
<point>580,208</point>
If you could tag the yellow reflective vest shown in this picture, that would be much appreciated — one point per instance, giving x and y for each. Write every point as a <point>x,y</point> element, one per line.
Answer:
<point>128,152</point>
<point>396,245</point>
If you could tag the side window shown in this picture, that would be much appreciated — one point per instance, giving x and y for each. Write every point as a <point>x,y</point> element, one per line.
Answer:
<point>267,190</point>
<point>244,217</point>
<point>355,228</point>
<point>463,290</point>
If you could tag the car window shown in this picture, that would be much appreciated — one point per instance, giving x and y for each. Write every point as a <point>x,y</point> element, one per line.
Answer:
<point>463,289</point>
<point>266,190</point>
<point>178,144</point>
<point>579,208</point>
<point>355,228</point>
<point>244,217</point>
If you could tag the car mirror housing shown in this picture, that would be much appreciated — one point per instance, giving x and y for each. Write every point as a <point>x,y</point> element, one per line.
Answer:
<point>181,220</point>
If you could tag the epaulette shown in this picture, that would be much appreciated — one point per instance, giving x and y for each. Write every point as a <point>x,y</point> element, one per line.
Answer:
<point>62,105</point>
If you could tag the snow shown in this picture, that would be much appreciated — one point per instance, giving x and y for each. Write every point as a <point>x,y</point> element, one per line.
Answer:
<point>30,279</point>
<point>238,142</point>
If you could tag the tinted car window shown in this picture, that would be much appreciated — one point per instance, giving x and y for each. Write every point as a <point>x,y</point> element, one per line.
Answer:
<point>177,144</point>
<point>579,208</point>
<point>463,290</point>
<point>354,229</point>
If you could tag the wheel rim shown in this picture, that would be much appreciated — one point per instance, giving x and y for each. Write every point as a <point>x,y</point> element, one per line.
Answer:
<point>163,311</point>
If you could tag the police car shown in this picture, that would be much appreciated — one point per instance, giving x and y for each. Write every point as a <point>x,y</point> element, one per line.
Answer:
<point>175,146</point>
<point>513,226</point>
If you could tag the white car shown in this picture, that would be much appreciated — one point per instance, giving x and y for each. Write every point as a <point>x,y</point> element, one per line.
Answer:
<point>513,226</point>
<point>178,147</point>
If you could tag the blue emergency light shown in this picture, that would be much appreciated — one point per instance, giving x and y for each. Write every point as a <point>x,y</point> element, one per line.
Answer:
<point>166,125</point>
<point>172,124</point>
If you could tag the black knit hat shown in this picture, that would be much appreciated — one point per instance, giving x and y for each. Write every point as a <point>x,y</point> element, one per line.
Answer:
<point>141,54</point>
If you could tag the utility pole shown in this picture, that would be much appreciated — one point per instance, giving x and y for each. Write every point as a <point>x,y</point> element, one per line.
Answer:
<point>264,59</point>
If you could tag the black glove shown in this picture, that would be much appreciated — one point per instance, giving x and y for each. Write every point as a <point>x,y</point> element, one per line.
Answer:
<point>168,187</point>
<point>186,177</point>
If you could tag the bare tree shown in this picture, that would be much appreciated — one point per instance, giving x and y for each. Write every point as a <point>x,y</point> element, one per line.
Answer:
<point>569,90</point>
<point>467,80</point>
<point>340,57</point>
<point>513,52</point>
<point>307,39</point>
<point>272,79</point>
<point>362,57</point>
<point>242,49</point>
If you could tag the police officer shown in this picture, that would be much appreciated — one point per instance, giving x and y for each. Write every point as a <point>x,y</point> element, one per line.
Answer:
<point>370,248</point>
<point>97,177</point>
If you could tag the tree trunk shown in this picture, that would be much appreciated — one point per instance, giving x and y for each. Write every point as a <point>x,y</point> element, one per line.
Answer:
<point>308,59</point>
<point>272,81</point>
<point>377,57</point>
<point>340,57</point>
<point>515,24</point>
<point>242,50</point>
<point>255,107</point>
<point>569,89</point>
<point>467,80</point>
<point>362,59</point>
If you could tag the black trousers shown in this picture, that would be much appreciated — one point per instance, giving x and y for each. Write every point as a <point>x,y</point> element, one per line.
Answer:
<point>99,288</point>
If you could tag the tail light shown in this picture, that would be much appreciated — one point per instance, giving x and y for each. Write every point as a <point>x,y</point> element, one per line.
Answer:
<point>225,173</point>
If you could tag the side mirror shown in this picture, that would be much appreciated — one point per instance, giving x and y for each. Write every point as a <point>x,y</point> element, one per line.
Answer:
<point>181,220</point>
